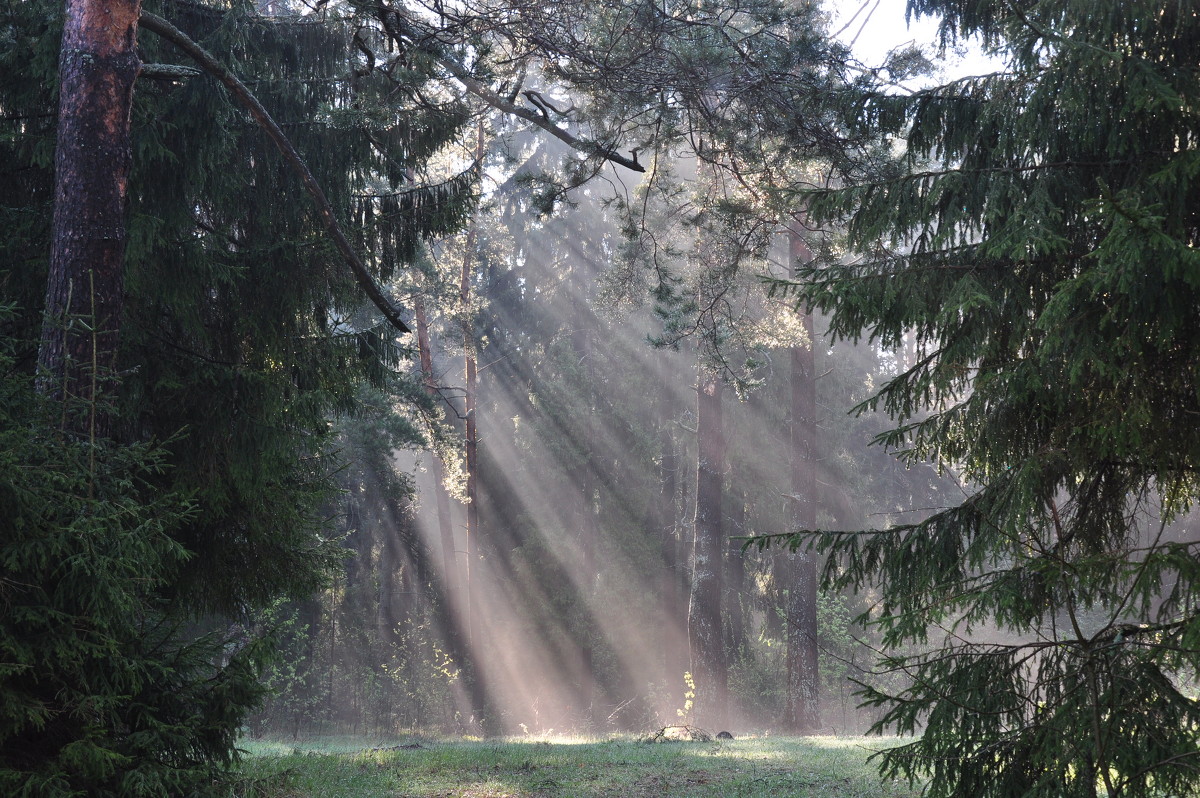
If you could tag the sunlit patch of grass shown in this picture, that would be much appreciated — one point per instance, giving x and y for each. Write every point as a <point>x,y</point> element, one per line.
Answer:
<point>531,768</point>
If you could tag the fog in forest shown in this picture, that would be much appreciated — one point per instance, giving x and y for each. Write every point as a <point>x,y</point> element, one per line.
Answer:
<point>608,373</point>
<point>615,402</point>
<point>561,604</point>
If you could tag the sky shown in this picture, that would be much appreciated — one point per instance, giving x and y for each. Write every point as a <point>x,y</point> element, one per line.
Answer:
<point>880,26</point>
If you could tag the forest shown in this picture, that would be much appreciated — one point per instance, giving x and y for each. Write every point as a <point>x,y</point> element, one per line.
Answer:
<point>657,368</point>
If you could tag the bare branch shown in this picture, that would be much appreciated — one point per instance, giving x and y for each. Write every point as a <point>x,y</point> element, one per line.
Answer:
<point>481,90</point>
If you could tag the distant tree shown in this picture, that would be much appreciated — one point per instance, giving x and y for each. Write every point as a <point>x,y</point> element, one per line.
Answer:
<point>706,618</point>
<point>801,692</point>
<point>1038,234</point>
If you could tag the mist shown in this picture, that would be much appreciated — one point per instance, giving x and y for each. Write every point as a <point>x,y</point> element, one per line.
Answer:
<point>563,606</point>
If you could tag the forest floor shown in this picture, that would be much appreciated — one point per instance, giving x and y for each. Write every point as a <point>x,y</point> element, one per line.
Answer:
<point>418,767</point>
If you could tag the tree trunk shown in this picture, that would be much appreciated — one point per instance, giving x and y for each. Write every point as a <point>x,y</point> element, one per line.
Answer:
<point>445,529</point>
<point>685,552</point>
<point>587,522</point>
<point>800,713</point>
<point>390,575</point>
<point>470,576</point>
<point>469,698</point>
<point>674,620</point>
<point>98,66</point>
<point>735,575</point>
<point>709,669</point>
<point>470,446</point>
<point>471,383</point>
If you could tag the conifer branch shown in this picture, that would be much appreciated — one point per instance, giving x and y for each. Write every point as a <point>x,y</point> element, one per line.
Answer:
<point>238,89</point>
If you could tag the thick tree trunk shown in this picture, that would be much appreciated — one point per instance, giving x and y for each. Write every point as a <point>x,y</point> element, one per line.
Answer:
<point>709,668</point>
<point>98,66</point>
<point>800,713</point>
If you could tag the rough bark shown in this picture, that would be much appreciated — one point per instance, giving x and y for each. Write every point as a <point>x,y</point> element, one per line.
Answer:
<point>801,714</point>
<point>709,667</point>
<point>98,67</point>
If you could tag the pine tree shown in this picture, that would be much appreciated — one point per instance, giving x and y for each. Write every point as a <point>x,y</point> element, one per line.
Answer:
<point>97,70</point>
<point>1038,235</point>
<point>100,688</point>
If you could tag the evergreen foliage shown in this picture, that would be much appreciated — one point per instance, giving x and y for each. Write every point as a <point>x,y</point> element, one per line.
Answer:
<point>102,691</point>
<point>244,338</point>
<point>1038,235</point>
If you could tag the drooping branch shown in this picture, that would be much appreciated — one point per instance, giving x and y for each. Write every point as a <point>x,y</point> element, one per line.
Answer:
<point>238,89</point>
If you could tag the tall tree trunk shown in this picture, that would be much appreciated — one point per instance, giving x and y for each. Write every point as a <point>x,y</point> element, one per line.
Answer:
<point>390,609</point>
<point>98,65</point>
<point>709,668</point>
<point>685,552</point>
<point>800,713</point>
<point>469,697</point>
<point>587,522</point>
<point>470,579</point>
<point>674,620</point>
<point>442,498</point>
<point>471,383</point>
<point>735,574</point>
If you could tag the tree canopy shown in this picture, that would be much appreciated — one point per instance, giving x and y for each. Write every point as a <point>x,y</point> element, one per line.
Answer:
<point>1038,235</point>
<point>1016,248</point>
<point>141,555</point>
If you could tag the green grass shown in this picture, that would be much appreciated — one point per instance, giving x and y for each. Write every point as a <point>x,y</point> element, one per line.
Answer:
<point>529,768</point>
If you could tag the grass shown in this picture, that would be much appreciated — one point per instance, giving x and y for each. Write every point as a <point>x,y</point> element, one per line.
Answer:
<point>564,768</point>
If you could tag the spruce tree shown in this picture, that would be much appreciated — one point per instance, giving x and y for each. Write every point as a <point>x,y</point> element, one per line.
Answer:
<point>1037,233</point>
<point>205,497</point>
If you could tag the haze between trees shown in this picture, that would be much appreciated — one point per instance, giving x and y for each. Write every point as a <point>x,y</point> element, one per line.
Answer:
<point>206,463</point>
